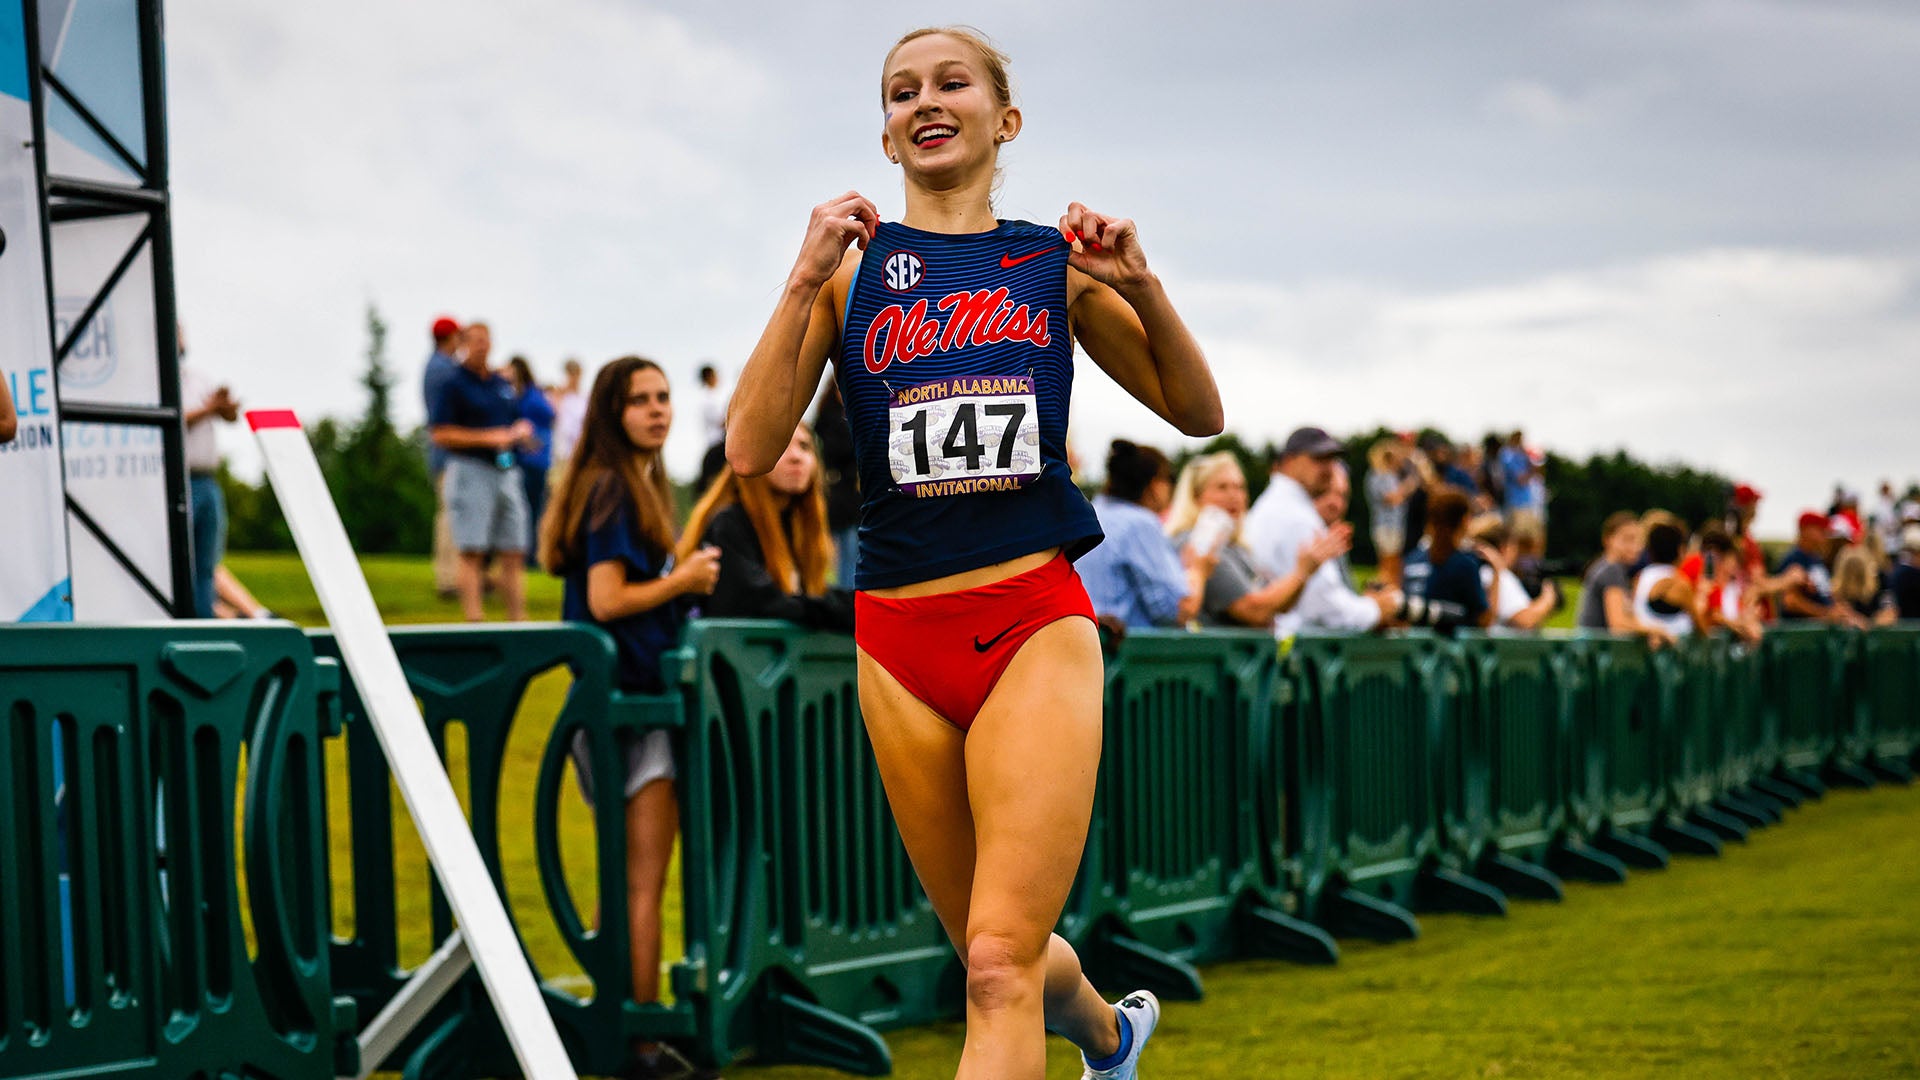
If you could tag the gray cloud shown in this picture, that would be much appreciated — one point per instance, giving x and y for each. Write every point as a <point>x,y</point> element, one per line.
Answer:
<point>1595,219</point>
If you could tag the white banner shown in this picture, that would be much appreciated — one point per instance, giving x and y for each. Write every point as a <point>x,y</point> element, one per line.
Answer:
<point>34,584</point>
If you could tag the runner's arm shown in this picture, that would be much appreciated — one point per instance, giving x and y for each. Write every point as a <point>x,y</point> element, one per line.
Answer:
<point>1128,325</point>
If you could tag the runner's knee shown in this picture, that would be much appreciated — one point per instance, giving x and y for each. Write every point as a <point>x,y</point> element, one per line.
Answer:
<point>1003,969</point>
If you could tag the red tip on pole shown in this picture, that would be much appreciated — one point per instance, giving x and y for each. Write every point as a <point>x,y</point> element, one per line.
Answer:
<point>272,418</point>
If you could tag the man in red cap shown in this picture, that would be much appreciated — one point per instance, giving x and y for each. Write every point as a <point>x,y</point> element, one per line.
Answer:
<point>1812,598</point>
<point>441,366</point>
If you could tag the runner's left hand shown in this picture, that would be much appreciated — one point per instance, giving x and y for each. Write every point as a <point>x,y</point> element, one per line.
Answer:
<point>1106,248</point>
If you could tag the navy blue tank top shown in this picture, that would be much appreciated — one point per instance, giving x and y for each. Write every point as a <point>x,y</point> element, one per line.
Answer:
<point>956,365</point>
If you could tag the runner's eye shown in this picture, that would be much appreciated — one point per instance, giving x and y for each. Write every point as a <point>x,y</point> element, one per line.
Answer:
<point>953,84</point>
<point>902,94</point>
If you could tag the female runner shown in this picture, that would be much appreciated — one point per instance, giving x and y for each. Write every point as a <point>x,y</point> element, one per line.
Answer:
<point>952,340</point>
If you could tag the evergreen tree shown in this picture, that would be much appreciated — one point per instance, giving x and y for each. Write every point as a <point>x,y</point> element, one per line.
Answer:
<point>378,477</point>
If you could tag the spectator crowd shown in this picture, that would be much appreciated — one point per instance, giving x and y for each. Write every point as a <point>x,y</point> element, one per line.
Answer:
<point>1460,536</point>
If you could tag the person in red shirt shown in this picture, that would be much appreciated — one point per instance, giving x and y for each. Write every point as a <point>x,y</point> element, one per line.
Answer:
<point>1762,589</point>
<point>1718,575</point>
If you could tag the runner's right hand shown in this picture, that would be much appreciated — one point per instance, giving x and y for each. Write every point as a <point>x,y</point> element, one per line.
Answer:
<point>849,219</point>
<point>701,570</point>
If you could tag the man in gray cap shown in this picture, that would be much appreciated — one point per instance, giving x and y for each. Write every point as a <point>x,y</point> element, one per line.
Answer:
<point>1284,518</point>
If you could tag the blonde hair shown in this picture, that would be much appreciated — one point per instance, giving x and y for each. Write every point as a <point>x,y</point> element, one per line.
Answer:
<point>1854,576</point>
<point>798,551</point>
<point>1186,491</point>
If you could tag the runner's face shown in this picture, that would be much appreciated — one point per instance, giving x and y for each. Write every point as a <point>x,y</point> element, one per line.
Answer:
<point>941,115</point>
<point>1226,489</point>
<point>793,473</point>
<point>649,411</point>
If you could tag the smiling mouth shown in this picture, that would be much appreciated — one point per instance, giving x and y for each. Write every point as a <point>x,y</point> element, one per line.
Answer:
<point>933,135</point>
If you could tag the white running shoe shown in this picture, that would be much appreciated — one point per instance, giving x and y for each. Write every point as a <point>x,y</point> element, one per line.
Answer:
<point>1142,1011</point>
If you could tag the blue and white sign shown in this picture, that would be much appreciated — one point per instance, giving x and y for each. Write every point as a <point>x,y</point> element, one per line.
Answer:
<point>34,584</point>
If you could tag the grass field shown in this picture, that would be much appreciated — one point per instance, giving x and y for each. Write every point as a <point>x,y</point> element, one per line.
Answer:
<point>1793,956</point>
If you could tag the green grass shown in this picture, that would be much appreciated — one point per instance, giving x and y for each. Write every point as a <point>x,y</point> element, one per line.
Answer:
<point>1792,956</point>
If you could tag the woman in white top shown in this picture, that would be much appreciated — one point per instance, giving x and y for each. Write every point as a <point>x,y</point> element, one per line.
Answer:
<point>1209,506</point>
<point>1661,596</point>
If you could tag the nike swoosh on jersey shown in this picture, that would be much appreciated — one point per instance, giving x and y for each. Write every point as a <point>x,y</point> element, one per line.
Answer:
<point>1008,262</point>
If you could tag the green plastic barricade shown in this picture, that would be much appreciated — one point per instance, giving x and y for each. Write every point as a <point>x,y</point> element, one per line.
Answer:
<point>1363,739</point>
<point>806,926</point>
<point>1518,713</point>
<point>1687,683</point>
<point>1889,676</point>
<point>1801,697</point>
<point>473,685</point>
<point>1174,854</point>
<point>1460,765</point>
<point>1750,757</point>
<point>1626,735</point>
<point>1593,850</point>
<point>184,961</point>
<point>1851,763</point>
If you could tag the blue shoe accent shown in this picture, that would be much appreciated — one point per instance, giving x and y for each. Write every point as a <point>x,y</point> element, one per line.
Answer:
<point>1126,1044</point>
<point>1139,1014</point>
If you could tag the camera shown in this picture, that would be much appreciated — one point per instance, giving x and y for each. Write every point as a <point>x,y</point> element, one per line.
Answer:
<point>1433,614</point>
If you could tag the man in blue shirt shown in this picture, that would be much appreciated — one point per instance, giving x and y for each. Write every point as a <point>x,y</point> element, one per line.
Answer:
<point>441,365</point>
<point>1517,466</point>
<point>475,420</point>
<point>1812,599</point>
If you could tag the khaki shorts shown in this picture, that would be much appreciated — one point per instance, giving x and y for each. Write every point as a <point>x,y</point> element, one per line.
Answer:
<point>486,506</point>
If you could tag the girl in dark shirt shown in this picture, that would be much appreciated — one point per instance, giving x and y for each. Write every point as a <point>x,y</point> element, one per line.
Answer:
<point>775,549</point>
<point>608,532</point>
<point>1444,573</point>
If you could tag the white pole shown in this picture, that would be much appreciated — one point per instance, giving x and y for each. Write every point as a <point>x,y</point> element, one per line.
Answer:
<point>322,539</point>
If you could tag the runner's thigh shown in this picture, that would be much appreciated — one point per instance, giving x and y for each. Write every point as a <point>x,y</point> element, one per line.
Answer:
<point>923,765</point>
<point>1032,758</point>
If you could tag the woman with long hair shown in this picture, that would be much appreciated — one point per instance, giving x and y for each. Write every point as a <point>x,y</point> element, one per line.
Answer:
<point>1858,583</point>
<point>608,532</point>
<point>776,552</point>
<point>1209,506</point>
<point>980,674</point>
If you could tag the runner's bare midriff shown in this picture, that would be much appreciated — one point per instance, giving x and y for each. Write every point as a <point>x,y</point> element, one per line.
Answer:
<point>969,579</point>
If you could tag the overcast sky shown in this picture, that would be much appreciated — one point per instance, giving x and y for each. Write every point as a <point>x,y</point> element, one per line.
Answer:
<point>1692,229</point>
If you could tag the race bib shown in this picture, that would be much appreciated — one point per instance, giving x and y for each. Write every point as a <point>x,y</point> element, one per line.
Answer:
<point>964,436</point>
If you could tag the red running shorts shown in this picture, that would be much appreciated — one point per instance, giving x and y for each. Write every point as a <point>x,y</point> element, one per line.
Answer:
<point>950,649</point>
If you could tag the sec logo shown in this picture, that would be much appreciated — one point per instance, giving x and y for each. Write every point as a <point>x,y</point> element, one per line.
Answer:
<point>903,271</point>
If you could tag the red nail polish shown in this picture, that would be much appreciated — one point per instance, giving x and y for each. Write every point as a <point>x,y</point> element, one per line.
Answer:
<point>1096,247</point>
